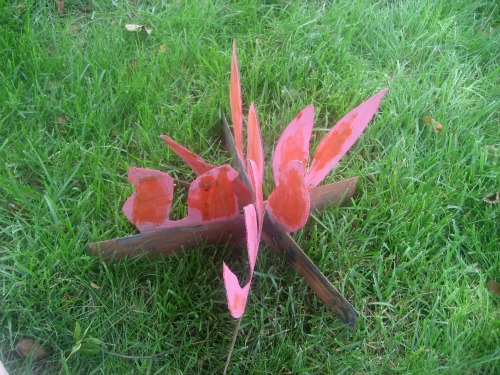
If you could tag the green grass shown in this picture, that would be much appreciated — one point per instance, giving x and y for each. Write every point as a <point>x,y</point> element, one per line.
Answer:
<point>82,99</point>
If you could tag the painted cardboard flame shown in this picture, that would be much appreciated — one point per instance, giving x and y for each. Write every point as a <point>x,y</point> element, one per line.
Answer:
<point>218,193</point>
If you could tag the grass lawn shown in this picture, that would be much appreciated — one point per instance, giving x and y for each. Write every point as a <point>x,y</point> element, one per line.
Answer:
<point>82,99</point>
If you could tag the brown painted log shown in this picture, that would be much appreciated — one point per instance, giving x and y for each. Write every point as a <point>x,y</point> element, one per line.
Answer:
<point>337,193</point>
<point>171,240</point>
<point>287,248</point>
<point>182,184</point>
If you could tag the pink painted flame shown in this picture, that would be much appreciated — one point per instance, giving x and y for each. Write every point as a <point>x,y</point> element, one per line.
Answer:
<point>211,198</point>
<point>149,206</point>
<point>195,162</point>
<point>236,106</point>
<point>289,203</point>
<point>341,138</point>
<point>237,295</point>
<point>294,142</point>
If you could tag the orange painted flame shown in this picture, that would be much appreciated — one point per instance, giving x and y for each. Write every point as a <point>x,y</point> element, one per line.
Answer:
<point>289,203</point>
<point>149,206</point>
<point>211,196</point>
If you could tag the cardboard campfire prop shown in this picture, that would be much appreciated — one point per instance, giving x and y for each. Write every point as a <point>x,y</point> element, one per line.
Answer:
<point>227,205</point>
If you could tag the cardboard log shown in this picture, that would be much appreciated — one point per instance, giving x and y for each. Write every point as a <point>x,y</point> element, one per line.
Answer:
<point>287,248</point>
<point>171,240</point>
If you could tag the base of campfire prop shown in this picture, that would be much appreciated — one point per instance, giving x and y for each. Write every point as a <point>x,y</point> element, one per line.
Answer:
<point>169,241</point>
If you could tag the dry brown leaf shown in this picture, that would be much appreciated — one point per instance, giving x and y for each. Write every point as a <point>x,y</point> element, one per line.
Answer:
<point>78,184</point>
<point>133,27</point>
<point>54,85</point>
<point>492,150</point>
<point>21,7</point>
<point>429,121</point>
<point>133,64</point>
<point>61,122</point>
<point>66,301</point>
<point>493,198</point>
<point>162,49</point>
<point>493,287</point>
<point>95,286</point>
<point>60,7</point>
<point>353,221</point>
<point>28,347</point>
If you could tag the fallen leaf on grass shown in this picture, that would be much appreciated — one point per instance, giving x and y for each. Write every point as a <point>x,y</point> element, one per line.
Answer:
<point>60,7</point>
<point>133,27</point>
<point>67,300</point>
<point>429,121</point>
<point>492,150</point>
<point>493,287</point>
<point>133,64</point>
<point>28,347</point>
<point>21,7</point>
<point>61,122</point>
<point>493,198</point>
<point>54,85</point>
<point>162,49</point>
<point>95,286</point>
<point>78,184</point>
